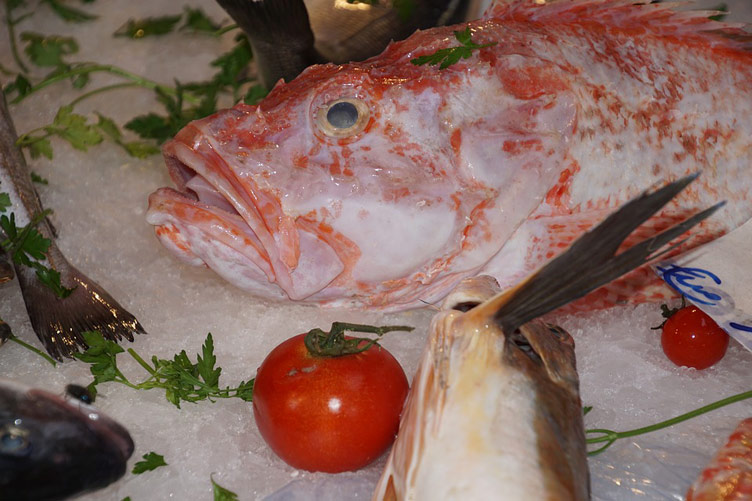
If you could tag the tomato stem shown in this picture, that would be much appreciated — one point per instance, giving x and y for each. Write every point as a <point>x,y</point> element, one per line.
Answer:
<point>334,343</point>
<point>610,436</point>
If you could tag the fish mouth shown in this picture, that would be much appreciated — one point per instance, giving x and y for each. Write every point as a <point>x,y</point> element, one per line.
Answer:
<point>219,216</point>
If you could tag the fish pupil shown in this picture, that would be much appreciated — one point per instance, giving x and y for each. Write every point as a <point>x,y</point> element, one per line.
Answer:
<point>342,115</point>
<point>13,441</point>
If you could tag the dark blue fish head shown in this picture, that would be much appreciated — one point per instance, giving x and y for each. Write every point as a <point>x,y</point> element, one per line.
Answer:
<point>52,448</point>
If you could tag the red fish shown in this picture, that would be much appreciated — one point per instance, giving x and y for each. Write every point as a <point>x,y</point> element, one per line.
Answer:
<point>384,183</point>
<point>729,475</point>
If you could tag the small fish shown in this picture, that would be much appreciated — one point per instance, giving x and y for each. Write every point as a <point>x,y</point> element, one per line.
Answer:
<point>728,477</point>
<point>287,36</point>
<point>52,448</point>
<point>494,410</point>
<point>382,184</point>
<point>57,322</point>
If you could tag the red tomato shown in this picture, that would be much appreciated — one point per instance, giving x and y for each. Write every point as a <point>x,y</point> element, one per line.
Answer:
<point>328,414</point>
<point>690,337</point>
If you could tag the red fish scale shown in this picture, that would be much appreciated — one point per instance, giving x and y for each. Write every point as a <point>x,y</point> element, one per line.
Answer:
<point>728,477</point>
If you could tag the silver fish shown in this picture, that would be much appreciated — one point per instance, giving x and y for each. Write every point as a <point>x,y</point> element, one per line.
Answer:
<point>494,411</point>
<point>52,448</point>
<point>57,322</point>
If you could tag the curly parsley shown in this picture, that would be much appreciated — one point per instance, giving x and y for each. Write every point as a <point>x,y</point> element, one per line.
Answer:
<point>447,57</point>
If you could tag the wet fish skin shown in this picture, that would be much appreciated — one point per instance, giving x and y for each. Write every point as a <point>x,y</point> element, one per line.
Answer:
<point>58,323</point>
<point>287,36</point>
<point>52,448</point>
<point>494,410</point>
<point>490,166</point>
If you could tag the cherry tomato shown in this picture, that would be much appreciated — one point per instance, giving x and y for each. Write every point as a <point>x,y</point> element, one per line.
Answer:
<point>690,337</point>
<point>329,414</point>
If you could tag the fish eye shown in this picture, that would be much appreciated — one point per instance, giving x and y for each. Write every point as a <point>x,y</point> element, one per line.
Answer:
<point>13,440</point>
<point>343,117</point>
<point>80,393</point>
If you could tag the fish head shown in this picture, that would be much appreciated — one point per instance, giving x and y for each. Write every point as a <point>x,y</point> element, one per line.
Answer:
<point>53,447</point>
<point>378,183</point>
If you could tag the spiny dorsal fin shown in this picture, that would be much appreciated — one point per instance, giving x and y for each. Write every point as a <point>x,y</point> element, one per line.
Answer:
<point>591,261</point>
<point>639,17</point>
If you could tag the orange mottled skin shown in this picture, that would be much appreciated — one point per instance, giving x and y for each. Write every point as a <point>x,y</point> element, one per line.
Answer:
<point>492,165</point>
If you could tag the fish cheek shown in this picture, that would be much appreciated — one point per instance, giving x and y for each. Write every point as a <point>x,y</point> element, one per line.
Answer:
<point>530,136</point>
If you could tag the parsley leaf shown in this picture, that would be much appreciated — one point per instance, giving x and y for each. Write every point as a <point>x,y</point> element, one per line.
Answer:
<point>196,20</point>
<point>50,50</point>
<point>101,354</point>
<point>69,13</point>
<point>222,494</point>
<point>28,247</point>
<point>180,378</point>
<point>447,57</point>
<point>232,64</point>
<point>151,461</point>
<point>162,128</point>
<point>20,85</point>
<point>4,201</point>
<point>74,129</point>
<point>150,26</point>
<point>205,365</point>
<point>255,94</point>
<point>40,147</point>
<point>38,179</point>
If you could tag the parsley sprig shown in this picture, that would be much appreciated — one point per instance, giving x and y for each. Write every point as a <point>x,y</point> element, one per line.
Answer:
<point>151,461</point>
<point>182,103</point>
<point>450,55</point>
<point>26,246</point>
<point>180,378</point>
<point>220,493</point>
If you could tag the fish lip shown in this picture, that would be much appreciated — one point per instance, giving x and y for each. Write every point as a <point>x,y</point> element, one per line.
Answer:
<point>194,152</point>
<point>98,422</point>
<point>185,155</point>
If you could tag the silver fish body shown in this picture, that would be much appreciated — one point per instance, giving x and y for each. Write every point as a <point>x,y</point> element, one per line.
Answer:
<point>58,322</point>
<point>52,448</point>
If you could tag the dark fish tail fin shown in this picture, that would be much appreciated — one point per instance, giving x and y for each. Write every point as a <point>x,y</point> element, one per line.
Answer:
<point>280,35</point>
<point>59,322</point>
<point>591,261</point>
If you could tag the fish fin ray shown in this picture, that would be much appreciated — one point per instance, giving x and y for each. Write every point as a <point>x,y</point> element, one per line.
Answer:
<point>591,261</point>
<point>638,15</point>
<point>280,34</point>
<point>59,323</point>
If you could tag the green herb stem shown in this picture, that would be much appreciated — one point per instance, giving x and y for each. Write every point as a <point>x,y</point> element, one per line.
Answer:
<point>11,23</point>
<point>35,350</point>
<point>141,362</point>
<point>87,68</point>
<point>101,90</point>
<point>334,343</point>
<point>226,29</point>
<point>610,436</point>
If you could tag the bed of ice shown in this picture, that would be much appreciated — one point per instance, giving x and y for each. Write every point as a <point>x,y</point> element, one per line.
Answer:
<point>99,199</point>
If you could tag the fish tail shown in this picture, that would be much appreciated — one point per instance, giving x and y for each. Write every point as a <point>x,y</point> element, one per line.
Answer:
<point>60,322</point>
<point>591,261</point>
<point>280,34</point>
